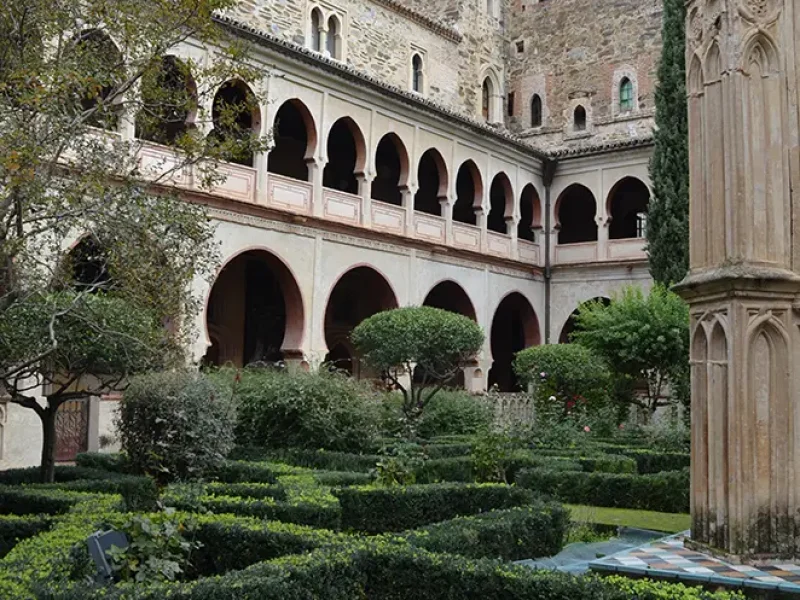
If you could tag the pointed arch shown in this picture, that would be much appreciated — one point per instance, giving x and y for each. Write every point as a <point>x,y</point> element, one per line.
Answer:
<point>695,75</point>
<point>316,29</point>
<point>391,170</point>
<point>713,63</point>
<point>536,111</point>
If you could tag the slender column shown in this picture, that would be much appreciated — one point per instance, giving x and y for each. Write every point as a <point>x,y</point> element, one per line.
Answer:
<point>602,237</point>
<point>447,214</point>
<point>365,188</point>
<point>512,229</point>
<point>316,168</point>
<point>408,203</point>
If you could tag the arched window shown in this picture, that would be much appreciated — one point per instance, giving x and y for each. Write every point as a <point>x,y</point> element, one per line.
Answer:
<point>536,111</point>
<point>486,99</point>
<point>334,41</point>
<point>579,118</point>
<point>625,95</point>
<point>169,101</point>
<point>236,121</point>
<point>417,75</point>
<point>316,30</point>
<point>98,60</point>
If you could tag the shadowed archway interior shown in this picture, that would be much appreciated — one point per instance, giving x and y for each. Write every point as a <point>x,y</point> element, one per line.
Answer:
<point>514,328</point>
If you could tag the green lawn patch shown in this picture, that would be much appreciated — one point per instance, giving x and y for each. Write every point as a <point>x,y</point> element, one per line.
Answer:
<point>641,519</point>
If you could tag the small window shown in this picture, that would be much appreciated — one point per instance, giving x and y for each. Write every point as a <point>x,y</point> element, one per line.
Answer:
<point>625,95</point>
<point>486,100</point>
<point>520,46</point>
<point>316,30</point>
<point>579,118</point>
<point>641,225</point>
<point>334,42</point>
<point>511,98</point>
<point>417,77</point>
<point>536,111</point>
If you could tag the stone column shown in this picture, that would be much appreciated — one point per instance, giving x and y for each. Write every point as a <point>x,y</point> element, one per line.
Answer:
<point>316,168</point>
<point>408,203</point>
<point>365,190</point>
<point>743,287</point>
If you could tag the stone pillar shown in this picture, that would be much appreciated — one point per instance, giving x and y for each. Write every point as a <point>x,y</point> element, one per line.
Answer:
<point>365,190</point>
<point>316,168</point>
<point>408,203</point>
<point>743,286</point>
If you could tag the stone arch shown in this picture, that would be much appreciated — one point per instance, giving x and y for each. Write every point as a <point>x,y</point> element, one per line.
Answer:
<point>316,24</point>
<point>759,48</point>
<point>432,182</point>
<point>515,327</point>
<point>417,73</point>
<point>357,294</point>
<point>295,141</point>
<point>449,295</point>
<point>770,414</point>
<point>713,63</point>
<point>347,157</point>
<point>695,75</point>
<point>575,215</point>
<point>530,209</point>
<point>469,193</point>
<point>160,122</point>
<point>501,203</point>
<point>627,205</point>
<point>491,97</point>
<point>565,337</point>
<point>254,310</point>
<point>103,80</point>
<point>391,170</point>
<point>235,114</point>
<point>335,40</point>
<point>626,95</point>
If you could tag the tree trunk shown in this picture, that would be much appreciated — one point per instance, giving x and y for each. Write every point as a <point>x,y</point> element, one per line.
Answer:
<point>48,468</point>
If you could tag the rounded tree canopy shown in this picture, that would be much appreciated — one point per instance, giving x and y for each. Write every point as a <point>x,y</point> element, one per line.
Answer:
<point>436,340</point>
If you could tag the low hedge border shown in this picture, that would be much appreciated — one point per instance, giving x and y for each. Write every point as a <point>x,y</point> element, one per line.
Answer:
<point>378,510</point>
<point>326,460</point>
<point>650,461</point>
<point>22,500</point>
<point>513,534</point>
<point>389,569</point>
<point>14,528</point>
<point>661,492</point>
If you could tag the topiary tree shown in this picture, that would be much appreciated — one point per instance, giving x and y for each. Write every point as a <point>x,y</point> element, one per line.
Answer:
<point>176,425</point>
<point>436,343</point>
<point>668,213</point>
<point>74,345</point>
<point>573,374</point>
<point>643,337</point>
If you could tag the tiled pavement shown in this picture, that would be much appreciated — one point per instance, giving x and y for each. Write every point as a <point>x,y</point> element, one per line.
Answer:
<point>669,559</point>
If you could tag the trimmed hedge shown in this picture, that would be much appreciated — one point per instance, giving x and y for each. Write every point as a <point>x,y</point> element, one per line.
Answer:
<point>115,463</point>
<point>14,528</point>
<point>239,471</point>
<point>513,534</point>
<point>392,570</point>
<point>326,460</point>
<point>342,478</point>
<point>378,510</point>
<point>232,543</point>
<point>32,501</point>
<point>650,461</point>
<point>248,490</point>
<point>662,492</point>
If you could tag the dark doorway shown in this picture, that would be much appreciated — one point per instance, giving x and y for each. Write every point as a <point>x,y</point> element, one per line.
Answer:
<point>576,209</point>
<point>432,179</point>
<point>469,193</point>
<point>514,328</point>
<point>627,206</point>
<point>391,166</point>
<point>293,142</point>
<point>345,157</point>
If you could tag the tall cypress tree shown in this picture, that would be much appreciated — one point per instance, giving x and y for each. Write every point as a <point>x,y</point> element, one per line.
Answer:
<point>668,215</point>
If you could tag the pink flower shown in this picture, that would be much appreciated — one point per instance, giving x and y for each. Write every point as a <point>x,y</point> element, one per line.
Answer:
<point>622,425</point>
<point>587,429</point>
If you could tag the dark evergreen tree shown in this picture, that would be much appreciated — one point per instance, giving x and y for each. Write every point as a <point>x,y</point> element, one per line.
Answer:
<point>668,215</point>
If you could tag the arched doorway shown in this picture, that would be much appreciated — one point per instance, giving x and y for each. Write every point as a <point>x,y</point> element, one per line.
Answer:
<point>391,170</point>
<point>295,137</point>
<point>514,328</point>
<point>501,203</point>
<point>569,326</point>
<point>358,294</point>
<point>530,210</point>
<point>432,181</point>
<point>469,193</point>
<point>254,312</point>
<point>575,212</point>
<point>627,207</point>
<point>346,157</point>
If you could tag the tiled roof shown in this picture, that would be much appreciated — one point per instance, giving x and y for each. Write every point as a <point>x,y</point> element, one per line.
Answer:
<point>609,146</point>
<point>437,27</point>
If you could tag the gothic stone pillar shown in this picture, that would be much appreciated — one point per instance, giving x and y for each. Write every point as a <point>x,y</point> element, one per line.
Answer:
<point>743,287</point>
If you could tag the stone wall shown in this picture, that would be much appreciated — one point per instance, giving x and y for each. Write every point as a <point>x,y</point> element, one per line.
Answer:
<point>380,40</point>
<point>574,52</point>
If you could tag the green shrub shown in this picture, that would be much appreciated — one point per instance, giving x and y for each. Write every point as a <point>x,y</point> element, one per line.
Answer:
<point>116,463</point>
<point>455,413</point>
<point>378,510</point>
<point>31,501</point>
<point>450,450</point>
<point>305,410</point>
<point>239,471</point>
<point>248,490</point>
<point>14,528</point>
<point>567,371</point>
<point>325,459</point>
<point>459,468</point>
<point>661,492</point>
<point>176,425</point>
<point>232,543</point>
<point>648,461</point>
<point>513,534</point>
<point>430,344</point>
<point>342,478</point>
